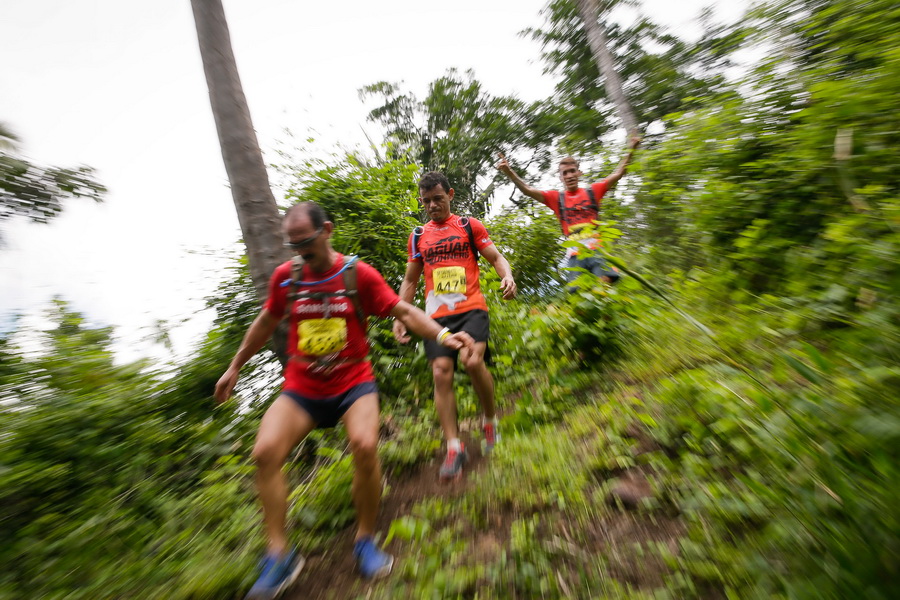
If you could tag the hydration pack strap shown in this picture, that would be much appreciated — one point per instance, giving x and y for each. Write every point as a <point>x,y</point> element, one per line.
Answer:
<point>347,271</point>
<point>464,221</point>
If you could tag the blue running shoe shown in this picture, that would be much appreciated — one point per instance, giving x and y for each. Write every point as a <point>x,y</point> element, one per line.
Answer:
<point>373,563</point>
<point>278,572</point>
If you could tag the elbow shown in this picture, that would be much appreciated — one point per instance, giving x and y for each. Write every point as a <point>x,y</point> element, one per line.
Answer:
<point>401,311</point>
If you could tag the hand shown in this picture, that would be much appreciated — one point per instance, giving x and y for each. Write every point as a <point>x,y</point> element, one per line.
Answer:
<point>459,340</point>
<point>634,142</point>
<point>225,385</point>
<point>400,332</point>
<point>503,165</point>
<point>508,287</point>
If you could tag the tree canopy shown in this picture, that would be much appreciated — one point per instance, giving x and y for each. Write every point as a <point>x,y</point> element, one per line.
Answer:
<point>457,129</point>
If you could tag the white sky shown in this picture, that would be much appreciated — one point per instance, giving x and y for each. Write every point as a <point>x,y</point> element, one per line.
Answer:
<point>119,86</point>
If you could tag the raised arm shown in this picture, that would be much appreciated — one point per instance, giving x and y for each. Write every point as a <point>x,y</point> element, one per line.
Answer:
<point>407,294</point>
<point>501,266</point>
<point>256,337</point>
<point>613,178</point>
<point>526,189</point>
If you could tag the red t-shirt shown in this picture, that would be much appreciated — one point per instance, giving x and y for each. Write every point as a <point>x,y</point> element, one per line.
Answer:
<point>451,266</point>
<point>577,205</point>
<point>311,335</point>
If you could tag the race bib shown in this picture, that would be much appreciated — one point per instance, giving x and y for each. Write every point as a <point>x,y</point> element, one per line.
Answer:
<point>321,336</point>
<point>579,232</point>
<point>449,280</point>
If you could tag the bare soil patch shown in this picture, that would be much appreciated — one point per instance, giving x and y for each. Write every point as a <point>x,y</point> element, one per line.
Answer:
<point>623,539</point>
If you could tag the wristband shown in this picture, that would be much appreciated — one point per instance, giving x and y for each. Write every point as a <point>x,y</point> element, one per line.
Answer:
<point>442,335</point>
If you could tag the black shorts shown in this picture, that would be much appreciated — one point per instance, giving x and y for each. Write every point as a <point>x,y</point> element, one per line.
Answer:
<point>326,412</point>
<point>592,264</point>
<point>474,322</point>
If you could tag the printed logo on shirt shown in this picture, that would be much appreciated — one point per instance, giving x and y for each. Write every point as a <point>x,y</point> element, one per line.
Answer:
<point>578,214</point>
<point>449,248</point>
<point>447,240</point>
<point>339,306</point>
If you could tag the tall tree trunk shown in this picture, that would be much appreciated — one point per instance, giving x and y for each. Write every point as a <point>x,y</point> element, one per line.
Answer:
<point>256,208</point>
<point>596,35</point>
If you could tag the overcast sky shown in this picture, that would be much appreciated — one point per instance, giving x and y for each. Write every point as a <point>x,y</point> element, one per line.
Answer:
<point>119,86</point>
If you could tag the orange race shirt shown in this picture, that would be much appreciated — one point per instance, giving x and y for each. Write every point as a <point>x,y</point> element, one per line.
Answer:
<point>451,265</point>
<point>578,210</point>
<point>578,213</point>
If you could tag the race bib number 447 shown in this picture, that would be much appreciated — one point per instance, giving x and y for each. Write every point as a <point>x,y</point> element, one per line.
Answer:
<point>321,336</point>
<point>450,280</point>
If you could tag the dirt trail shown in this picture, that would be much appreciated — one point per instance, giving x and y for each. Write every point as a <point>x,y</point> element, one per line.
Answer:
<point>332,574</point>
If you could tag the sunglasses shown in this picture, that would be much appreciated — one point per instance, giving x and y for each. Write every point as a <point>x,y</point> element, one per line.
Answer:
<point>304,243</point>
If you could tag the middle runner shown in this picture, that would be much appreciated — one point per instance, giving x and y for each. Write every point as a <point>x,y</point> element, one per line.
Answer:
<point>447,248</point>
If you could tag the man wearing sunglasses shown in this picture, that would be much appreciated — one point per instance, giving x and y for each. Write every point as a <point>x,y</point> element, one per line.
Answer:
<point>327,379</point>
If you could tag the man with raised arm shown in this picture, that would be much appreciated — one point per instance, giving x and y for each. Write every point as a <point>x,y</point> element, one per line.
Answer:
<point>446,249</point>
<point>326,298</point>
<point>576,208</point>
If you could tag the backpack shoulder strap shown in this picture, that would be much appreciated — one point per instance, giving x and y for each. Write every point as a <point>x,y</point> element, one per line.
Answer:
<point>416,234</point>
<point>296,277</point>
<point>351,288</point>
<point>297,269</point>
<point>593,200</point>
<point>467,225</point>
<point>562,210</point>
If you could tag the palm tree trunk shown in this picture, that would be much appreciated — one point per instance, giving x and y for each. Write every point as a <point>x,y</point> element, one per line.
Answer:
<point>256,208</point>
<point>596,35</point>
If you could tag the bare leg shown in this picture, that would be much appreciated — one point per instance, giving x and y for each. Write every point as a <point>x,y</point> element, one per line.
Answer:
<point>283,426</point>
<point>361,422</point>
<point>482,381</point>
<point>444,400</point>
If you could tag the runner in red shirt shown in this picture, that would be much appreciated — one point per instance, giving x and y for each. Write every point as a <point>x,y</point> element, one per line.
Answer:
<point>327,379</point>
<point>442,248</point>
<point>578,210</point>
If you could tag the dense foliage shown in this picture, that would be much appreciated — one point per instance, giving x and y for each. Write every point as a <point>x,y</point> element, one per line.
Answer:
<point>757,402</point>
<point>105,481</point>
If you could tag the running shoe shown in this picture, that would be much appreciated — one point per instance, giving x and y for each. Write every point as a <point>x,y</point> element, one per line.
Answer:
<point>491,436</point>
<point>277,573</point>
<point>454,462</point>
<point>373,563</point>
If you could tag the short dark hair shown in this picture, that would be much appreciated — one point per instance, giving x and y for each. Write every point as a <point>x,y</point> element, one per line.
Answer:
<point>432,179</point>
<point>311,209</point>
<point>568,161</point>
